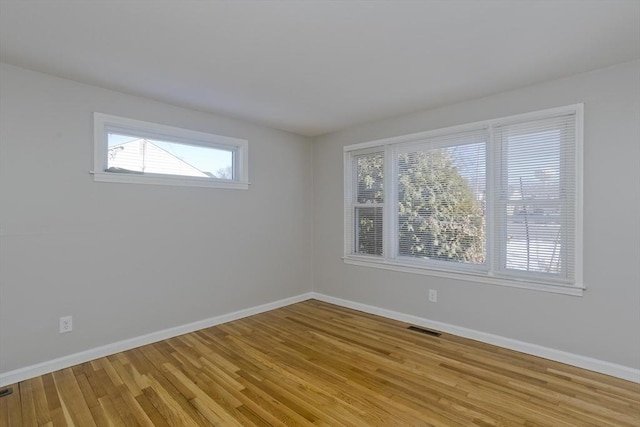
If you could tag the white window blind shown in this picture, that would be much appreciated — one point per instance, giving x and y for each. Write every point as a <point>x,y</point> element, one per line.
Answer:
<point>441,187</point>
<point>536,200</point>
<point>368,203</point>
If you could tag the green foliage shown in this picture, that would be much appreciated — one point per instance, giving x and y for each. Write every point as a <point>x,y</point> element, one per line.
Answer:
<point>370,178</point>
<point>369,230</point>
<point>439,217</point>
<point>370,190</point>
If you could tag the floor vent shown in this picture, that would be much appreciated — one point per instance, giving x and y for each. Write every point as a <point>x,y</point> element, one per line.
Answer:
<point>424,331</point>
<point>6,392</point>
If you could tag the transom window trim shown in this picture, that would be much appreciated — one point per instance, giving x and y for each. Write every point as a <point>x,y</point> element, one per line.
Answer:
<point>105,124</point>
<point>488,272</point>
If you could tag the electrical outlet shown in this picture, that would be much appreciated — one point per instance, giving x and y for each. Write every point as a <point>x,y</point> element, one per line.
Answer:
<point>433,295</point>
<point>66,324</point>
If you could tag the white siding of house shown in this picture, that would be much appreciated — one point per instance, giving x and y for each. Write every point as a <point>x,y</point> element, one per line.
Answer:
<point>142,155</point>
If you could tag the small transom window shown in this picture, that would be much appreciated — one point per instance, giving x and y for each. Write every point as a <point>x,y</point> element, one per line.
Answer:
<point>133,151</point>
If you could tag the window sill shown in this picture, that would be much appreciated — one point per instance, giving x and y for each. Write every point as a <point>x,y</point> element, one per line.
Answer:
<point>513,283</point>
<point>183,181</point>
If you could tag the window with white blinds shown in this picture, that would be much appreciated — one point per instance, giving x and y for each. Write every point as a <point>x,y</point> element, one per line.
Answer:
<point>441,189</point>
<point>496,201</point>
<point>535,205</point>
<point>368,204</point>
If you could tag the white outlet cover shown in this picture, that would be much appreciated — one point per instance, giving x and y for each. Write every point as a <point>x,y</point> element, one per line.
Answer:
<point>66,324</point>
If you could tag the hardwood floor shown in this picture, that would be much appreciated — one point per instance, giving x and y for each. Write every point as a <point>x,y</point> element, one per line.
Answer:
<point>314,363</point>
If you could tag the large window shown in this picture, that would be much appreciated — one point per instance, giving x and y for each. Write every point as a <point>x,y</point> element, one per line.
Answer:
<point>496,201</point>
<point>133,151</point>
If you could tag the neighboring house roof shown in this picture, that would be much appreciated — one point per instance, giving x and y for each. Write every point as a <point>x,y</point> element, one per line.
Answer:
<point>142,155</point>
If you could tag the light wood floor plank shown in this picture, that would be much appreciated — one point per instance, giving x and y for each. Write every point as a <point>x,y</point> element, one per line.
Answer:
<point>317,364</point>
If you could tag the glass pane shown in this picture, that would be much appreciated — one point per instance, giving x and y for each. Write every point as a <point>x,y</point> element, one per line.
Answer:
<point>130,154</point>
<point>370,178</point>
<point>441,198</point>
<point>534,238</point>
<point>535,198</point>
<point>533,166</point>
<point>368,231</point>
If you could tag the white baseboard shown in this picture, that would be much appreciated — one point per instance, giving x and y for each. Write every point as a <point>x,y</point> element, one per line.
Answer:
<point>607,368</point>
<point>596,365</point>
<point>27,372</point>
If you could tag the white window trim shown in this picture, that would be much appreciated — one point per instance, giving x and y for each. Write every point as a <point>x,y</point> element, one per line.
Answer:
<point>387,262</point>
<point>103,123</point>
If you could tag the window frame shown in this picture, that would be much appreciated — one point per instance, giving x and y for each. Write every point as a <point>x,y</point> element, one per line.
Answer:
<point>353,194</point>
<point>490,272</point>
<point>105,124</point>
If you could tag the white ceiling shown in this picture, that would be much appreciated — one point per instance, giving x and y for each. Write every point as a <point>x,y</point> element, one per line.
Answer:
<point>312,67</point>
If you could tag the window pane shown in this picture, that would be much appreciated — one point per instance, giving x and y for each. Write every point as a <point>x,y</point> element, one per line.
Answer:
<point>441,198</point>
<point>369,188</point>
<point>536,192</point>
<point>533,166</point>
<point>533,175</point>
<point>368,225</point>
<point>131,154</point>
<point>534,238</point>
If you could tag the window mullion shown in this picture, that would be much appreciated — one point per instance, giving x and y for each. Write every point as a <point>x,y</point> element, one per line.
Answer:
<point>492,205</point>
<point>350,183</point>
<point>391,202</point>
<point>566,183</point>
<point>500,197</point>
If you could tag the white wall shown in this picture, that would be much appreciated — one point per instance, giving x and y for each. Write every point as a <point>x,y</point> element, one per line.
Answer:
<point>126,260</point>
<point>123,259</point>
<point>604,323</point>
